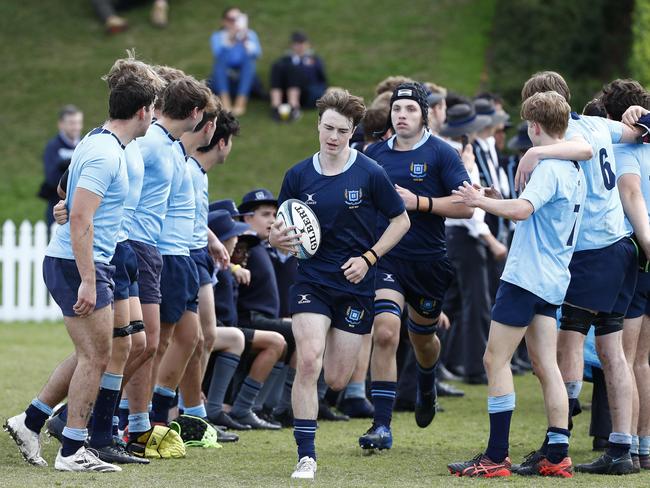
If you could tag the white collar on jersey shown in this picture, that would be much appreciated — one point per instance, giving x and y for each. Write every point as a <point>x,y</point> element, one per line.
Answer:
<point>424,139</point>
<point>351,159</point>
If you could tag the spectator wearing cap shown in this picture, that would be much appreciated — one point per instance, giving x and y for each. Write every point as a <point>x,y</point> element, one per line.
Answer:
<point>297,79</point>
<point>235,49</point>
<point>57,155</point>
<point>469,242</point>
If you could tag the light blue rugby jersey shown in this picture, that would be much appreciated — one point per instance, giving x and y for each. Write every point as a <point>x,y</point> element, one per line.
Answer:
<point>543,244</point>
<point>634,159</point>
<point>156,148</point>
<point>99,166</point>
<point>178,227</point>
<point>202,198</point>
<point>135,170</point>
<point>603,222</point>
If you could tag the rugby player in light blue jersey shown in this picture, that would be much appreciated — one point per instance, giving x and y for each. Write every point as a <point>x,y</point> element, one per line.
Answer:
<point>183,102</point>
<point>332,299</point>
<point>180,278</point>
<point>633,181</point>
<point>78,273</point>
<point>603,276</point>
<point>533,285</point>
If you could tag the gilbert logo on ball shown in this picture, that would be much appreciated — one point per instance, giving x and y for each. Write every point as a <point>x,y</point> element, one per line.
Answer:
<point>295,213</point>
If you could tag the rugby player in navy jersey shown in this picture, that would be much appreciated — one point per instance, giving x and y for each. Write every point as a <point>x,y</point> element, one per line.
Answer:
<point>603,276</point>
<point>332,299</point>
<point>416,273</point>
<point>79,277</point>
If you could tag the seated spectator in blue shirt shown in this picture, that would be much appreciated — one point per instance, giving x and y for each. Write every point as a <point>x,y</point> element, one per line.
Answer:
<point>58,153</point>
<point>234,48</point>
<point>297,78</point>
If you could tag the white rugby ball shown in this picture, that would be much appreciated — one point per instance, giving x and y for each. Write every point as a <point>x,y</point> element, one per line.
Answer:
<point>293,212</point>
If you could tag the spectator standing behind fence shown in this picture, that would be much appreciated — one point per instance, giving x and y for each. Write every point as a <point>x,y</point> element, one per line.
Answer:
<point>58,153</point>
<point>235,48</point>
<point>297,79</point>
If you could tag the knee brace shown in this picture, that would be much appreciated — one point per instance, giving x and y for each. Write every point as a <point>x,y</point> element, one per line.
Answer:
<point>608,323</point>
<point>122,331</point>
<point>136,326</point>
<point>421,329</point>
<point>576,319</point>
<point>387,306</point>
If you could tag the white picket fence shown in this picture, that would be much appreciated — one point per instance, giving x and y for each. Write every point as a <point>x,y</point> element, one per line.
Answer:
<point>24,295</point>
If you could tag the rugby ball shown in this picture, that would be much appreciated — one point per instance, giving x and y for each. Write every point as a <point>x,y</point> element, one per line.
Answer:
<point>295,213</point>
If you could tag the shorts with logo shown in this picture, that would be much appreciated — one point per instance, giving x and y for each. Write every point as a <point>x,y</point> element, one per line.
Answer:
<point>516,307</point>
<point>150,265</point>
<point>126,271</point>
<point>62,280</point>
<point>422,283</point>
<point>204,265</point>
<point>640,304</point>
<point>350,313</point>
<point>179,285</point>
<point>604,280</point>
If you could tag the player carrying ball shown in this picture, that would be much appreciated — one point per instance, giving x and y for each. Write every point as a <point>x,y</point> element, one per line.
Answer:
<point>332,299</point>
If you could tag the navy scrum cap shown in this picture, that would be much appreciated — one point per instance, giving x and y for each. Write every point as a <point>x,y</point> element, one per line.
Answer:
<point>222,224</point>
<point>226,204</point>
<point>256,198</point>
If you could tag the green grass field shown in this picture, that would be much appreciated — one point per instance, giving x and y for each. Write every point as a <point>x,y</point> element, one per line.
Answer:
<point>419,456</point>
<point>53,52</point>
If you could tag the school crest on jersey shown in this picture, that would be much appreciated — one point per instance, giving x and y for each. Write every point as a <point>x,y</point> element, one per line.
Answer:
<point>353,316</point>
<point>353,198</point>
<point>418,171</point>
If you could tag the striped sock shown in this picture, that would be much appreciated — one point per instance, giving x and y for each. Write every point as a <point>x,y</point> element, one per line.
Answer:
<point>383,398</point>
<point>304,431</point>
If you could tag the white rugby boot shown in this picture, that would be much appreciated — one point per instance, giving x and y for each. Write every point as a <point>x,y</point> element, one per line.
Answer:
<point>28,441</point>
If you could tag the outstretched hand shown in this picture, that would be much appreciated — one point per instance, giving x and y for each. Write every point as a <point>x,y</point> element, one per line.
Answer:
<point>470,195</point>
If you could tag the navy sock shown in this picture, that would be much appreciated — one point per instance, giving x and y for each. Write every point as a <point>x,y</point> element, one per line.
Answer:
<point>544,448</point>
<point>558,444</point>
<point>224,368</point>
<point>162,401</point>
<point>500,409</point>
<point>304,431</point>
<point>63,413</point>
<point>138,424</point>
<point>426,378</point>
<point>36,415</point>
<point>246,397</point>
<point>73,440</point>
<point>383,398</point>
<point>102,421</point>
<point>269,387</point>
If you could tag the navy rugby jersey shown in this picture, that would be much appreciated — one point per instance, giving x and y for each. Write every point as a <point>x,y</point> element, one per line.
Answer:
<point>347,206</point>
<point>433,169</point>
<point>225,298</point>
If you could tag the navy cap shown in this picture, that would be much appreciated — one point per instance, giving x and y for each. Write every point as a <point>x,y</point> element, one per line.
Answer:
<point>226,204</point>
<point>222,224</point>
<point>298,37</point>
<point>463,120</point>
<point>255,198</point>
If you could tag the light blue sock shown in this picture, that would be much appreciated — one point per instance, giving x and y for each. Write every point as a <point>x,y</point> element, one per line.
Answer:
<point>634,447</point>
<point>644,445</point>
<point>198,411</point>
<point>355,389</point>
